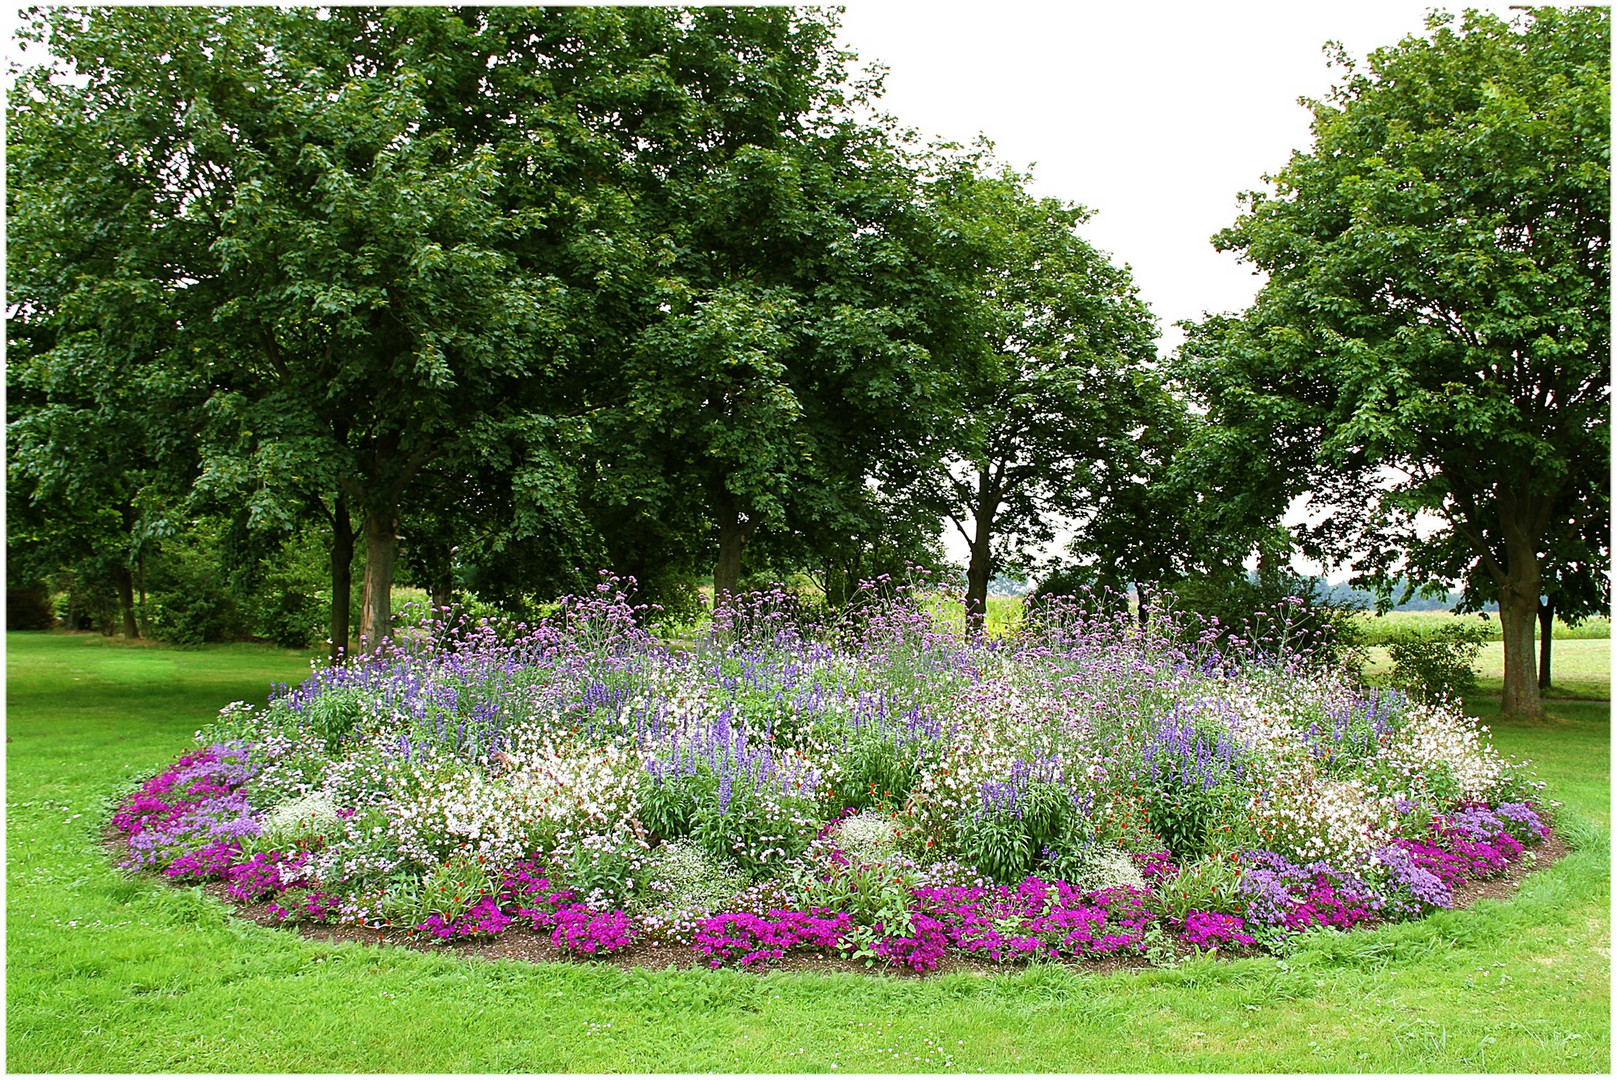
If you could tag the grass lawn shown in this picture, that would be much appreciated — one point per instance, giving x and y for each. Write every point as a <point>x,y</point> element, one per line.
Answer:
<point>1580,668</point>
<point>108,972</point>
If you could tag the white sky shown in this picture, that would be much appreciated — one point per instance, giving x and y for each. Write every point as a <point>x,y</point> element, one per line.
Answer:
<point>1154,115</point>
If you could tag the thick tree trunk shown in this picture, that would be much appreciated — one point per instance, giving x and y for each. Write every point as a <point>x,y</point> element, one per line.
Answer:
<point>342,574</point>
<point>1546,625</point>
<point>126,600</point>
<point>1140,603</point>
<point>733,536</point>
<point>1518,615</point>
<point>381,551</point>
<point>978,570</point>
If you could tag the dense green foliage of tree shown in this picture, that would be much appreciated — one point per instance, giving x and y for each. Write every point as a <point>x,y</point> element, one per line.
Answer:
<point>524,291</point>
<point>1434,335</point>
<point>1054,384</point>
<point>484,299</point>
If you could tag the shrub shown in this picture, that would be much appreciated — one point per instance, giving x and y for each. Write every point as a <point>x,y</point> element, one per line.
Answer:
<point>29,607</point>
<point>1435,664</point>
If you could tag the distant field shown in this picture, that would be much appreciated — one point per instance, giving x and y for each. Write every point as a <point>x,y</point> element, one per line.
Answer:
<point>1381,627</point>
<point>1579,669</point>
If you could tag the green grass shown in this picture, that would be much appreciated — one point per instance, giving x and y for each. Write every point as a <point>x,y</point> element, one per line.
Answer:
<point>109,972</point>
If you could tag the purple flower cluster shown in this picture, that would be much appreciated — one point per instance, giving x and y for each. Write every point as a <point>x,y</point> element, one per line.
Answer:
<point>745,939</point>
<point>1211,929</point>
<point>263,875</point>
<point>482,919</point>
<point>1281,893</point>
<point>190,806</point>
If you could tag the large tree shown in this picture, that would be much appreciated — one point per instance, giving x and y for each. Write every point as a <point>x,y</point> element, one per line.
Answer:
<point>380,243</point>
<point>1435,328</point>
<point>790,346</point>
<point>1053,343</point>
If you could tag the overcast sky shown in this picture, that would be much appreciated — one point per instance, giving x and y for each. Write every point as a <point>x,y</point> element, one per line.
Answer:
<point>1154,115</point>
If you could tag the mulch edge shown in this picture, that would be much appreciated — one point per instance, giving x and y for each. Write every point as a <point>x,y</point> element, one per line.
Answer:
<point>524,944</point>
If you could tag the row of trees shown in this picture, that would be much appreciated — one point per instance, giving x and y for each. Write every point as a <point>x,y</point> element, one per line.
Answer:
<point>656,289</point>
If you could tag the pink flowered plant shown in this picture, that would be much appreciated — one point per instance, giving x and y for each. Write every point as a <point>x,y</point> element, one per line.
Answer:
<point>745,939</point>
<point>1212,929</point>
<point>264,875</point>
<point>482,919</point>
<point>592,933</point>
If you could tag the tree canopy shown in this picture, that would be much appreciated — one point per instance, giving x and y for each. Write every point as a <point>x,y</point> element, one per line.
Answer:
<point>1434,334</point>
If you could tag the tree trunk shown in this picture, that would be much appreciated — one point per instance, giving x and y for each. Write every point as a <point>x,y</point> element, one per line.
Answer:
<point>981,565</point>
<point>140,583</point>
<point>1518,615</point>
<point>126,600</point>
<point>1546,626</point>
<point>443,578</point>
<point>733,535</point>
<point>381,550</point>
<point>978,571</point>
<point>1140,602</point>
<point>836,586</point>
<point>342,576</point>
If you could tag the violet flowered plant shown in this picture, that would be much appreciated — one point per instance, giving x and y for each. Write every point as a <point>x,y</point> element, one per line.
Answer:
<point>609,788</point>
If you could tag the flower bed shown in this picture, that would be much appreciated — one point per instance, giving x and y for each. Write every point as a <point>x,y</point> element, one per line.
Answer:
<point>876,788</point>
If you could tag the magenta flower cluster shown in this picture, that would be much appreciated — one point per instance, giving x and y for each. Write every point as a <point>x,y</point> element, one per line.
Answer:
<point>573,926</point>
<point>1213,929</point>
<point>744,939</point>
<point>482,919</point>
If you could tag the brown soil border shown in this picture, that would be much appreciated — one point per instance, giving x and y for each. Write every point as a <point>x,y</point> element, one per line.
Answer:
<point>535,947</point>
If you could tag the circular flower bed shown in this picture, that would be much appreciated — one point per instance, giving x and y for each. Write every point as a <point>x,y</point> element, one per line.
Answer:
<point>872,787</point>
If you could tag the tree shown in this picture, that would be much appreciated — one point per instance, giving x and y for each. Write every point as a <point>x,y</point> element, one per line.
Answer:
<point>1435,325</point>
<point>789,348</point>
<point>376,242</point>
<point>1046,397</point>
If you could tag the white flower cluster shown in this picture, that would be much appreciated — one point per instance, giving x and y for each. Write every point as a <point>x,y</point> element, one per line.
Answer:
<point>308,816</point>
<point>1106,866</point>
<point>1306,817</point>
<point>867,837</point>
<point>1437,736</point>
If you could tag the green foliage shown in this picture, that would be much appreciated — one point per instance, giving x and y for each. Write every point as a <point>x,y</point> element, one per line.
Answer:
<point>1437,307</point>
<point>1438,663</point>
<point>877,772</point>
<point>1206,884</point>
<point>1054,344</point>
<point>871,893</point>
<point>334,714</point>
<point>447,890</point>
<point>1185,816</point>
<point>995,842</point>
